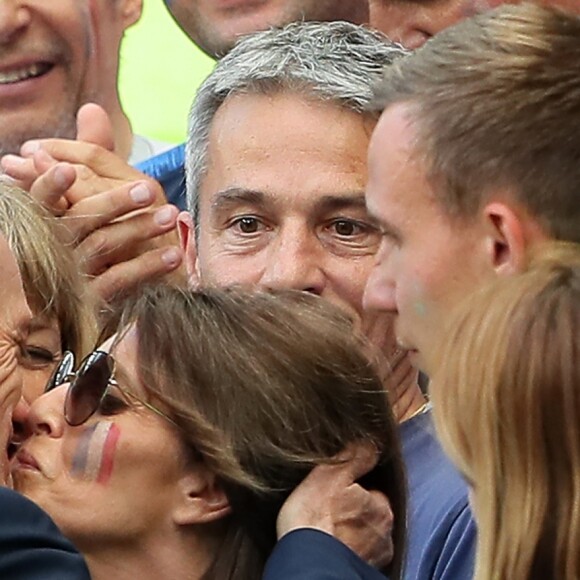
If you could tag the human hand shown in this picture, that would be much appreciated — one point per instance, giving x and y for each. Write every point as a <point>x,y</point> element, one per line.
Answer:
<point>330,500</point>
<point>116,217</point>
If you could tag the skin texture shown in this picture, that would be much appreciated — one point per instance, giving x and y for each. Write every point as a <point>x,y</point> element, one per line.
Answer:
<point>14,322</point>
<point>42,351</point>
<point>147,456</point>
<point>282,206</point>
<point>421,270</point>
<point>412,23</point>
<point>80,39</point>
<point>215,25</point>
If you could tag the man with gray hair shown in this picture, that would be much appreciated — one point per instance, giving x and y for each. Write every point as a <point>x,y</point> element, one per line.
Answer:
<point>276,171</point>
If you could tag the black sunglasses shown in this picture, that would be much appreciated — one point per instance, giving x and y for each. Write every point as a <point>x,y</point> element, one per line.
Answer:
<point>89,385</point>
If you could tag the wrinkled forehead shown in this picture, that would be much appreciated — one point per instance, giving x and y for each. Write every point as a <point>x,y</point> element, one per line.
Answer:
<point>12,297</point>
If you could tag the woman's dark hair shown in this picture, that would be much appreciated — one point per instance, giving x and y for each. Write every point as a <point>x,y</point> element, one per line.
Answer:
<point>264,385</point>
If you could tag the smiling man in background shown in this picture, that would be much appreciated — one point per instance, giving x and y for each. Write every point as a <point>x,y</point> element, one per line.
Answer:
<point>57,55</point>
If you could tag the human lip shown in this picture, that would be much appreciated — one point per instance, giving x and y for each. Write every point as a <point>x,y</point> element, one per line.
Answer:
<point>25,460</point>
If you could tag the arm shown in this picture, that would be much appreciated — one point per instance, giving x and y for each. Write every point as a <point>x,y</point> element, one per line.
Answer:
<point>331,527</point>
<point>31,546</point>
<point>121,241</point>
<point>308,554</point>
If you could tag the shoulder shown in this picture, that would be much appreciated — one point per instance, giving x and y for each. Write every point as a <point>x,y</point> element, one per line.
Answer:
<point>31,546</point>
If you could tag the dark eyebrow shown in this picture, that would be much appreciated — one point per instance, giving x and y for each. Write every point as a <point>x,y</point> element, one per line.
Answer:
<point>338,202</point>
<point>236,195</point>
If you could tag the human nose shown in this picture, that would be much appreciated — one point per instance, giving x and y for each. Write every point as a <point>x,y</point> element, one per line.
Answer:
<point>379,293</point>
<point>14,17</point>
<point>46,414</point>
<point>295,263</point>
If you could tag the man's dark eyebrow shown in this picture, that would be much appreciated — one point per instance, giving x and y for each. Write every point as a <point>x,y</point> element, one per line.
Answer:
<point>236,195</point>
<point>337,202</point>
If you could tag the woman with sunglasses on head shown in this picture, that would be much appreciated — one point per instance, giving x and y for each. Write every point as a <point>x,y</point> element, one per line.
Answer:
<point>183,435</point>
<point>506,397</point>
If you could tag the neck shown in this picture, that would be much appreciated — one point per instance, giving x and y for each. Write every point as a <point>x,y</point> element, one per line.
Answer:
<point>173,556</point>
<point>402,384</point>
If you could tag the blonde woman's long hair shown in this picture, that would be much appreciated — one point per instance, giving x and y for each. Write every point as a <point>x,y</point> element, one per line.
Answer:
<point>507,408</point>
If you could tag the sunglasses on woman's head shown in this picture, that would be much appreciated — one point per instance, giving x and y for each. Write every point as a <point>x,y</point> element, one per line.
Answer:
<point>89,386</point>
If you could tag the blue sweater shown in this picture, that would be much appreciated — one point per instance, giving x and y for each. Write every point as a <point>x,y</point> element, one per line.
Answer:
<point>441,537</point>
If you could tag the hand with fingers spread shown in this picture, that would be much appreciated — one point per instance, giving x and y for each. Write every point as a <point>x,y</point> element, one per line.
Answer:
<point>330,499</point>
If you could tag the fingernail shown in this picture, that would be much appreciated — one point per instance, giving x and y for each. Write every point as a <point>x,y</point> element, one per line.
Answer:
<point>165,216</point>
<point>140,193</point>
<point>171,257</point>
<point>30,147</point>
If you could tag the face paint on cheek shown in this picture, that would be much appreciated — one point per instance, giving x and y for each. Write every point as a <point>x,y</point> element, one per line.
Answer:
<point>94,456</point>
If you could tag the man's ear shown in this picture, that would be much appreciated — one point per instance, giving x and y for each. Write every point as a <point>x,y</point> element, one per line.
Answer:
<point>186,231</point>
<point>200,498</point>
<point>511,231</point>
<point>130,12</point>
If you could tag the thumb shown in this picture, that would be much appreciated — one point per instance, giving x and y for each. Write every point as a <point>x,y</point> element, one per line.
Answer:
<point>94,126</point>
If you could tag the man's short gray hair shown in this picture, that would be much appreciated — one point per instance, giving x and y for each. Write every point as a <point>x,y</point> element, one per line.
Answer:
<point>337,62</point>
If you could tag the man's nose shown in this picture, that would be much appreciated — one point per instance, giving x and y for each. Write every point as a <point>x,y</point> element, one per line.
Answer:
<point>295,262</point>
<point>379,294</point>
<point>15,17</point>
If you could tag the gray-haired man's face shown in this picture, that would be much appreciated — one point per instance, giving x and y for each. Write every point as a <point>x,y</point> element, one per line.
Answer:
<point>282,203</point>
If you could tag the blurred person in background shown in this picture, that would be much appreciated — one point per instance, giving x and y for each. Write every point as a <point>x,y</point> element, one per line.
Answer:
<point>412,23</point>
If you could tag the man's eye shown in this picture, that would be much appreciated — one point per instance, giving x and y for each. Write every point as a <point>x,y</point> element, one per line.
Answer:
<point>111,405</point>
<point>247,224</point>
<point>347,228</point>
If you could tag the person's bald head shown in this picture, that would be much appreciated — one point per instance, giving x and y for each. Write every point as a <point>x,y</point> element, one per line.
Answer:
<point>215,25</point>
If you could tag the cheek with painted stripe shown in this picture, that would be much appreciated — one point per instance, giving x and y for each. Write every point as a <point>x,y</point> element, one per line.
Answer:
<point>94,455</point>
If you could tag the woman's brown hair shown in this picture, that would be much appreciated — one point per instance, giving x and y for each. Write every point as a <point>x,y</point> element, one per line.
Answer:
<point>264,387</point>
<point>506,397</point>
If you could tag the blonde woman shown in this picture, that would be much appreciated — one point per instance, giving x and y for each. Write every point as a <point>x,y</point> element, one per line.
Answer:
<point>507,405</point>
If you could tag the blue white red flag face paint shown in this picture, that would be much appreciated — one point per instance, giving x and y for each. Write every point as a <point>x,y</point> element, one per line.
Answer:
<point>94,456</point>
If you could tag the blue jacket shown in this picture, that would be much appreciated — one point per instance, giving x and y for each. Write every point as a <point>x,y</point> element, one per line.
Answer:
<point>168,168</point>
<point>31,546</point>
<point>308,554</point>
